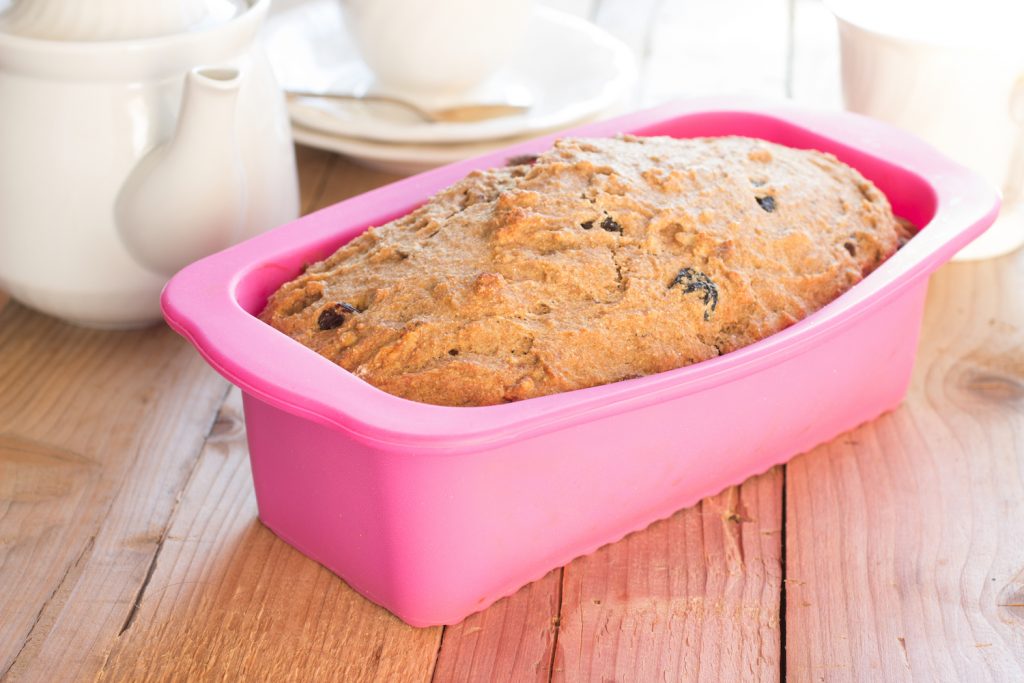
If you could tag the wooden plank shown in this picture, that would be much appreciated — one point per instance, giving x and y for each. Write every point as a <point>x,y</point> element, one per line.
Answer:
<point>314,166</point>
<point>347,179</point>
<point>98,432</point>
<point>905,545</point>
<point>512,640</point>
<point>814,67</point>
<point>694,597</point>
<point>228,600</point>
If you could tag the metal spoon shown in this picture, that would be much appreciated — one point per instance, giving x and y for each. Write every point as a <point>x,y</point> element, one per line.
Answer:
<point>466,113</point>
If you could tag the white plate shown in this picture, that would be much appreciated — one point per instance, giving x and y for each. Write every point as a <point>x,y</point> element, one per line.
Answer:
<point>400,159</point>
<point>570,68</point>
<point>407,159</point>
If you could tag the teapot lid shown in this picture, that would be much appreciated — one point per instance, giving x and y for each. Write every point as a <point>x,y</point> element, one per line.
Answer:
<point>102,20</point>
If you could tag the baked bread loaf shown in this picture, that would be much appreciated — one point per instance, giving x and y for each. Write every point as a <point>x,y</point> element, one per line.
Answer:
<point>600,260</point>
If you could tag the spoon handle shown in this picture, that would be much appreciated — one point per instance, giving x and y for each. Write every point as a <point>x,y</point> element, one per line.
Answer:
<point>467,113</point>
<point>352,97</point>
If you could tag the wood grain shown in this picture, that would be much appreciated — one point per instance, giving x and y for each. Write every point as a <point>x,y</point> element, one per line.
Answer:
<point>906,536</point>
<point>228,600</point>
<point>513,640</point>
<point>692,598</point>
<point>314,166</point>
<point>347,179</point>
<point>98,433</point>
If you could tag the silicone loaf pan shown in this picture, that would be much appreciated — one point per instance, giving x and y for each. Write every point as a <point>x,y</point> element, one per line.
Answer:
<point>436,512</point>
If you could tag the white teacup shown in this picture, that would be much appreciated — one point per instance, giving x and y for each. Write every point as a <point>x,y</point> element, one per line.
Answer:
<point>951,72</point>
<point>434,49</point>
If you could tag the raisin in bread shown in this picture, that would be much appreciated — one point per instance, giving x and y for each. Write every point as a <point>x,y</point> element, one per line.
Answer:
<point>602,260</point>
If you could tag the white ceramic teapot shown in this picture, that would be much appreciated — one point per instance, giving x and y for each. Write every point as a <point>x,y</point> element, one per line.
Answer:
<point>133,141</point>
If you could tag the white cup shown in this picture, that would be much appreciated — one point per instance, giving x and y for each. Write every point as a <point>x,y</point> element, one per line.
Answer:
<point>431,49</point>
<point>953,73</point>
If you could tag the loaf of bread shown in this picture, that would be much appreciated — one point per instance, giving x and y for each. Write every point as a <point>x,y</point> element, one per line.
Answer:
<point>600,260</point>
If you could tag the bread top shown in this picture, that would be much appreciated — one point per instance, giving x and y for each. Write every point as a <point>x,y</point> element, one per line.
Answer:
<point>602,260</point>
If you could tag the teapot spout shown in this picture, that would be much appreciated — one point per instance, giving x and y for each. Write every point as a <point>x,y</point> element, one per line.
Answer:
<point>186,198</point>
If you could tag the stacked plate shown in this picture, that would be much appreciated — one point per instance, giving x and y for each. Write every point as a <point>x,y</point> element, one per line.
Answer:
<point>567,69</point>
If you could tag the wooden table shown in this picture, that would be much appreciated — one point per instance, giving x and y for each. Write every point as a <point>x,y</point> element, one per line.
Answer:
<point>130,547</point>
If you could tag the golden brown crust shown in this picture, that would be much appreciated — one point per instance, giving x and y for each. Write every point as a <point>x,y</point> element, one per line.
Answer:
<point>603,260</point>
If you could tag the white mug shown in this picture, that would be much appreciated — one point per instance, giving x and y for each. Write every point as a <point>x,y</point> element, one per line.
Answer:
<point>953,74</point>
<point>426,49</point>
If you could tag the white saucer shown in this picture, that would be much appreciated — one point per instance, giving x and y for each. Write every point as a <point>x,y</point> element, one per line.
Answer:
<point>571,69</point>
<point>390,158</point>
<point>407,159</point>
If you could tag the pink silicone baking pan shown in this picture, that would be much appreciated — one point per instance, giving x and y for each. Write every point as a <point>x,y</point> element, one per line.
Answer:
<point>436,512</point>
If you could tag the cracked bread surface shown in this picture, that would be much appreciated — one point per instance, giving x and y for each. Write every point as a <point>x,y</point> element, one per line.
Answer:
<point>603,260</point>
